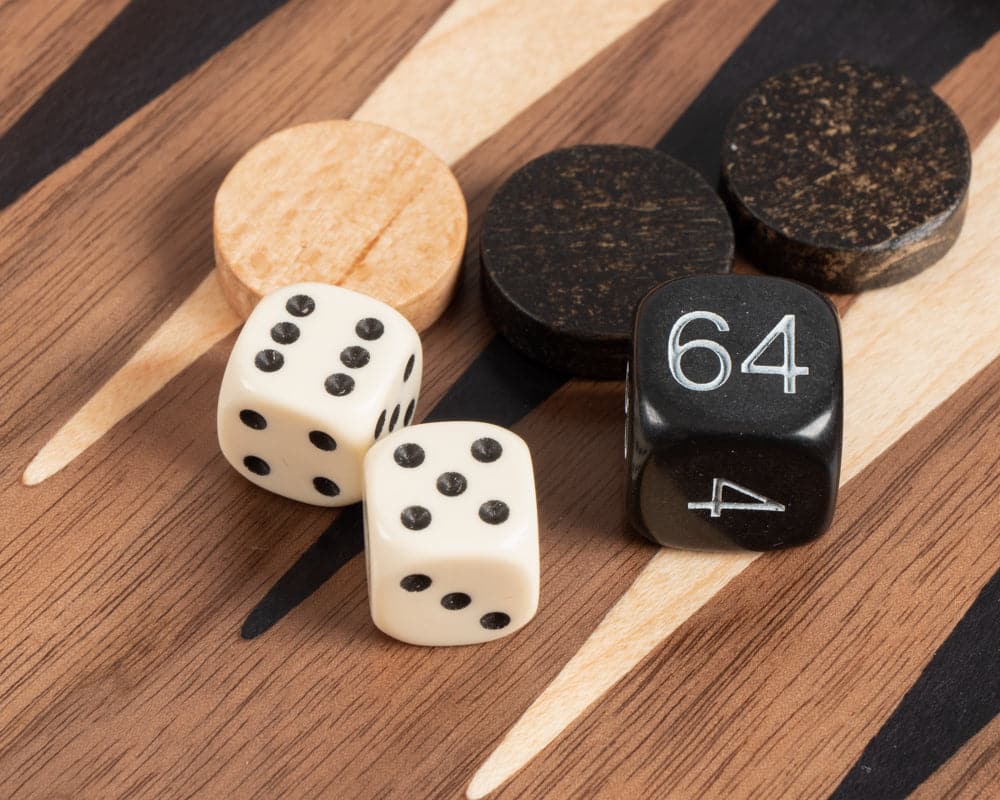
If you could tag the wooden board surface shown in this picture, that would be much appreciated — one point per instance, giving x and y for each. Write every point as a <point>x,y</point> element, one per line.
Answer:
<point>168,630</point>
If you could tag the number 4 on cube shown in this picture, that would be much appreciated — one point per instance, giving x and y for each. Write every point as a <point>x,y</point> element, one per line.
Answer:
<point>724,457</point>
<point>717,505</point>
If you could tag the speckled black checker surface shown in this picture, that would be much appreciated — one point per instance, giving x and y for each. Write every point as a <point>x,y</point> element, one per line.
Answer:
<point>845,177</point>
<point>574,239</point>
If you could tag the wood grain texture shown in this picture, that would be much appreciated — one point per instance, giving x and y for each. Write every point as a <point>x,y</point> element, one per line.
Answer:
<point>161,465</point>
<point>845,177</point>
<point>199,322</point>
<point>50,36</point>
<point>144,50</point>
<point>488,60</point>
<point>125,578</point>
<point>973,772</point>
<point>773,689</point>
<point>345,202</point>
<point>566,258</point>
<point>497,385</point>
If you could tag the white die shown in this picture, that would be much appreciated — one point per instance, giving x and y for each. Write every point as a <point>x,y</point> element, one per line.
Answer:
<point>451,533</point>
<point>317,375</point>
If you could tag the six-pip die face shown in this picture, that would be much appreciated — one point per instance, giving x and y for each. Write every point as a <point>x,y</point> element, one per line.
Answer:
<point>317,375</point>
<point>735,410</point>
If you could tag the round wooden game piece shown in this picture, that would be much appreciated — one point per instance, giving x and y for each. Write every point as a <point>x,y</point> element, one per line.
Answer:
<point>576,238</point>
<point>844,176</point>
<point>343,202</point>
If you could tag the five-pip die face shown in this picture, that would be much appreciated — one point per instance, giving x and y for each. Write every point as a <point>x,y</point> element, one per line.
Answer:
<point>735,413</point>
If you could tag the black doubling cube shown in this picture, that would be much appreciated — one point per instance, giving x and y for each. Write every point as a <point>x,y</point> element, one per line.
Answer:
<point>734,413</point>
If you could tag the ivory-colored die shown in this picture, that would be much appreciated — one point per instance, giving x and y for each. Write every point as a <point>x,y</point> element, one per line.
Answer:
<point>451,533</point>
<point>317,375</point>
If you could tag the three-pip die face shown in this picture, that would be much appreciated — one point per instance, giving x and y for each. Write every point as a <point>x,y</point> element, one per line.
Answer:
<point>317,375</point>
<point>451,533</point>
<point>735,411</point>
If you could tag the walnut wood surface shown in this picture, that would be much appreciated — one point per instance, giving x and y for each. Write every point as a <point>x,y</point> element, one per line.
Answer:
<point>779,683</point>
<point>973,771</point>
<point>49,36</point>
<point>125,578</point>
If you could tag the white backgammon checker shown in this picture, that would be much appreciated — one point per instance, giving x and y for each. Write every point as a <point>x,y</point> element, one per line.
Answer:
<point>451,533</point>
<point>317,375</point>
<point>351,203</point>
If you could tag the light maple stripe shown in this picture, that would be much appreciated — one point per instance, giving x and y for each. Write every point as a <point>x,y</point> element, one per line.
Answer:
<point>906,349</point>
<point>485,61</point>
<point>200,321</point>
<point>481,64</point>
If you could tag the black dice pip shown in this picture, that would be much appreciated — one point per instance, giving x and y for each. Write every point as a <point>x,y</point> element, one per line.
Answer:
<point>734,413</point>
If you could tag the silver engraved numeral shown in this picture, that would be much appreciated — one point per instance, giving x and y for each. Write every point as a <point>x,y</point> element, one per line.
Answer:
<point>788,369</point>
<point>675,350</point>
<point>716,506</point>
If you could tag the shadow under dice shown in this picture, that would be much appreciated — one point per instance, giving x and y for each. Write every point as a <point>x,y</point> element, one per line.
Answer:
<point>451,533</point>
<point>317,375</point>
<point>735,411</point>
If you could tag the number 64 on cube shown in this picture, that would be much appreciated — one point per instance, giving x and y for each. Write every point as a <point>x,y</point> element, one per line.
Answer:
<point>734,405</point>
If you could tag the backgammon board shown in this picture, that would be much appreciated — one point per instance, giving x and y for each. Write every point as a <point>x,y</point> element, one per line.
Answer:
<point>168,629</point>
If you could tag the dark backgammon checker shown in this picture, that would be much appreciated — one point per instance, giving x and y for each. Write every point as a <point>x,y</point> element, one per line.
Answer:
<point>734,413</point>
<point>574,239</point>
<point>844,176</point>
